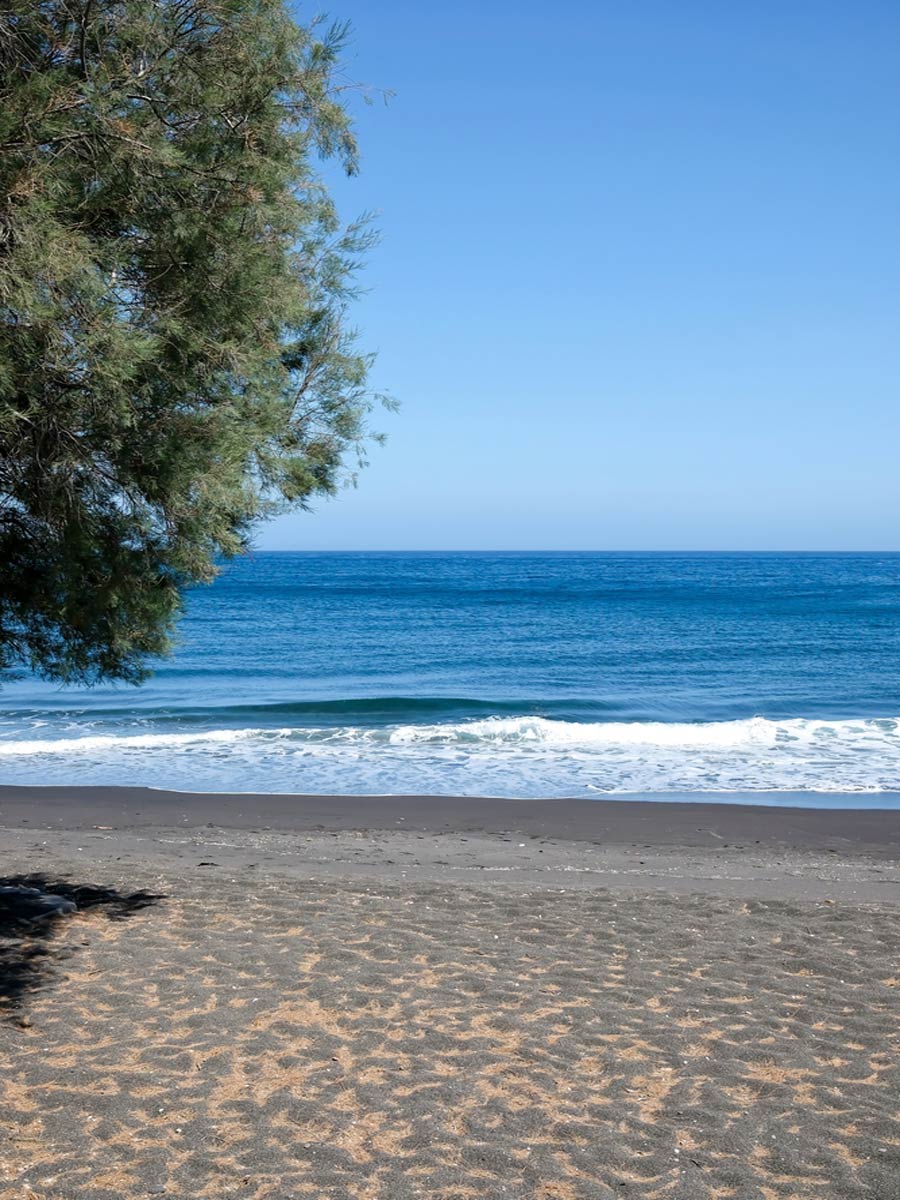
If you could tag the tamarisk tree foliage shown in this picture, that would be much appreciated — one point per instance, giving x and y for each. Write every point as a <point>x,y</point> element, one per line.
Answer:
<point>175,360</point>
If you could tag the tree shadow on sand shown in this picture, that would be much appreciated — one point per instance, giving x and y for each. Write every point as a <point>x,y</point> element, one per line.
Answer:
<point>33,911</point>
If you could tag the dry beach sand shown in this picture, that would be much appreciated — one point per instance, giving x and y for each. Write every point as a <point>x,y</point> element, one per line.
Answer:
<point>400,998</point>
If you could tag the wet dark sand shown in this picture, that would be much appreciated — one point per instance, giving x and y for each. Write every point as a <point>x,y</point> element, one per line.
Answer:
<point>674,822</point>
<point>356,998</point>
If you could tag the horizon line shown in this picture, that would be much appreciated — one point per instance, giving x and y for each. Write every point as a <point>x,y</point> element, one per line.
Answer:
<point>547,550</point>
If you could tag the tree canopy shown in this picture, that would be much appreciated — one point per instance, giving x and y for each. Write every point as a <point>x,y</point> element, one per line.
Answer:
<point>175,358</point>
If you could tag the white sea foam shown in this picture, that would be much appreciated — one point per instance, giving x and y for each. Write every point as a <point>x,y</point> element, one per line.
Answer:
<point>526,730</point>
<point>516,756</point>
<point>497,731</point>
<point>104,743</point>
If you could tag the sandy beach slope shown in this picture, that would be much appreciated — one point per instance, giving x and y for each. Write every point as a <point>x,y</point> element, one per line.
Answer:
<point>383,999</point>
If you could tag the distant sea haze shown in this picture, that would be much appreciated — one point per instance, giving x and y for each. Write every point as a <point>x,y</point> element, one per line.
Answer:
<point>518,674</point>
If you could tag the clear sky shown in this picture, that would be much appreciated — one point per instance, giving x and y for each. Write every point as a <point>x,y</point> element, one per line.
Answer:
<point>639,284</point>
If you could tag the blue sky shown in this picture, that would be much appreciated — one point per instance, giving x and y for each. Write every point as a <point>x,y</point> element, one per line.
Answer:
<point>639,280</point>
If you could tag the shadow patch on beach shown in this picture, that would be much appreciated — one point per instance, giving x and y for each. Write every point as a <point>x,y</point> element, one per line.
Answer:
<point>29,945</point>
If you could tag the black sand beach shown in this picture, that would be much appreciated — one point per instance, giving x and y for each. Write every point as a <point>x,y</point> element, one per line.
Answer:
<point>390,998</point>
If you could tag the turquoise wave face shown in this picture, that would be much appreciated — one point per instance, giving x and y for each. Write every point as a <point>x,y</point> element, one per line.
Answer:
<point>510,674</point>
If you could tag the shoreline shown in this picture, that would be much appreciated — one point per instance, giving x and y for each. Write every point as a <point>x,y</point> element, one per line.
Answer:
<point>725,850</point>
<point>674,821</point>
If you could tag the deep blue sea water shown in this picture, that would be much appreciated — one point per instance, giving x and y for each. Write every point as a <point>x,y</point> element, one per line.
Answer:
<point>500,674</point>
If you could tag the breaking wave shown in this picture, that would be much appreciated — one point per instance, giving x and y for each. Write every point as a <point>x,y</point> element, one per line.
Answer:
<point>497,755</point>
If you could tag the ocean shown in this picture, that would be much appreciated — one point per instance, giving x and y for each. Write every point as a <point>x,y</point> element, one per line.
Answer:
<point>502,674</point>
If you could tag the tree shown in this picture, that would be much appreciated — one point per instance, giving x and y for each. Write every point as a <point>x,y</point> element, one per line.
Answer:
<point>175,360</point>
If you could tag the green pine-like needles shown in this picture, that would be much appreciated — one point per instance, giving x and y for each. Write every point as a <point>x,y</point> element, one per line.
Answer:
<point>175,359</point>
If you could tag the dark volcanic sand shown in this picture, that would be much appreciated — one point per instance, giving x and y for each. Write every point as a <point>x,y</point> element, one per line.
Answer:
<point>332,1014</point>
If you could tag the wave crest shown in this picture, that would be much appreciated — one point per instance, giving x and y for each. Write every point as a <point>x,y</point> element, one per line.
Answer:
<point>523,731</point>
<point>500,756</point>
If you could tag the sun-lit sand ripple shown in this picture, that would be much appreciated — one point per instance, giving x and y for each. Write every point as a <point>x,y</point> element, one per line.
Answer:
<point>427,1041</point>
